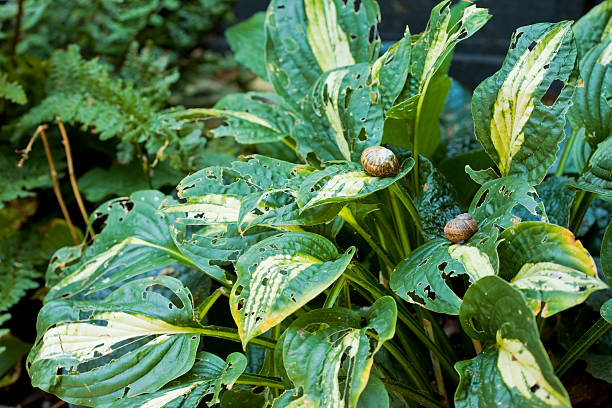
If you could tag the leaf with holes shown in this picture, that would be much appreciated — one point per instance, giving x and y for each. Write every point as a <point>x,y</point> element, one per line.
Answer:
<point>496,202</point>
<point>134,240</point>
<point>279,275</point>
<point>426,276</point>
<point>597,175</point>
<point>134,341</point>
<point>207,376</point>
<point>518,131</point>
<point>344,182</point>
<point>514,371</point>
<point>331,34</point>
<point>548,265</point>
<point>592,102</point>
<point>321,343</point>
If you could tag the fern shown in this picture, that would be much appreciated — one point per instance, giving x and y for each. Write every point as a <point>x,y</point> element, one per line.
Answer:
<point>86,92</point>
<point>11,90</point>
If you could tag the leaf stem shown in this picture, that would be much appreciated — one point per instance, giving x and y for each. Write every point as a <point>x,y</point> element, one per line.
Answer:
<point>260,381</point>
<point>334,292</point>
<point>579,347</point>
<point>205,306</point>
<point>16,28</point>
<point>232,334</point>
<point>399,226</point>
<point>566,151</point>
<point>405,199</point>
<point>347,216</point>
<point>408,368</point>
<point>581,204</point>
<point>412,394</point>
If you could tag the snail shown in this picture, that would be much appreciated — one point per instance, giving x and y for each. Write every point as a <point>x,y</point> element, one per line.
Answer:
<point>379,161</point>
<point>460,228</point>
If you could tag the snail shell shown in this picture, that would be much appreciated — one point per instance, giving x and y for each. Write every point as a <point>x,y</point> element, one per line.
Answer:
<point>460,228</point>
<point>379,161</point>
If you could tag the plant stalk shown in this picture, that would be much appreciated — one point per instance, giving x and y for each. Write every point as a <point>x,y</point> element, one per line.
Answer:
<point>399,226</point>
<point>408,368</point>
<point>411,394</point>
<point>205,306</point>
<point>581,204</point>
<point>566,152</point>
<point>232,334</point>
<point>334,292</point>
<point>579,347</point>
<point>17,28</point>
<point>260,381</point>
<point>405,199</point>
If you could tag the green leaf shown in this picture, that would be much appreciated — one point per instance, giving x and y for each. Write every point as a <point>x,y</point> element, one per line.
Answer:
<point>134,240</point>
<point>597,175</point>
<point>558,286</point>
<point>456,172</point>
<point>12,350</point>
<point>599,366</point>
<point>374,395</point>
<point>425,277</point>
<point>535,242</point>
<point>518,131</point>
<point>606,311</point>
<point>342,115</point>
<point>239,398</point>
<point>496,201</point>
<point>332,34</point>
<point>315,346</point>
<point>207,376</point>
<point>515,370</point>
<point>557,199</point>
<point>592,106</point>
<point>594,27</point>
<point>435,200</point>
<point>134,341</point>
<point>279,275</point>
<point>11,90</point>
<point>247,41</point>
<point>606,254</point>
<point>344,182</point>
<point>391,69</point>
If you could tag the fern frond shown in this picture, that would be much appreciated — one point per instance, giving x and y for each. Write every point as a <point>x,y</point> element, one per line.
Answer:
<point>11,90</point>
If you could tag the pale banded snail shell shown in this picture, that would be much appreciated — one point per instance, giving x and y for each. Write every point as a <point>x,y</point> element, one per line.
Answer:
<point>460,228</point>
<point>379,161</point>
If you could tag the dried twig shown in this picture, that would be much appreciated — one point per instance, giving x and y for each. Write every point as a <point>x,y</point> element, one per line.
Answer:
<point>56,188</point>
<point>25,152</point>
<point>73,182</point>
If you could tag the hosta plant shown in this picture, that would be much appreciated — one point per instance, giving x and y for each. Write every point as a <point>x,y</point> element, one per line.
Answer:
<point>343,289</point>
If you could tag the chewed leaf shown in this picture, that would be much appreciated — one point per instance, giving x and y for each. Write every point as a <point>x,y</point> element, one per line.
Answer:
<point>597,175</point>
<point>592,105</point>
<point>343,183</point>
<point>495,202</point>
<point>279,275</point>
<point>518,131</point>
<point>134,240</point>
<point>207,376</point>
<point>316,345</point>
<point>206,209</point>
<point>535,242</point>
<point>332,34</point>
<point>515,370</point>
<point>134,341</point>
<point>424,278</point>
<point>558,286</point>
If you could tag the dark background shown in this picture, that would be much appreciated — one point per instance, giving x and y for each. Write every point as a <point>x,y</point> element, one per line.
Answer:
<point>480,55</point>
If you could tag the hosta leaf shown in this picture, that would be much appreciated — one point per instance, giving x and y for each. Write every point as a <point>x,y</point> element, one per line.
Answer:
<point>606,311</point>
<point>134,341</point>
<point>558,286</point>
<point>592,104</point>
<point>316,345</point>
<point>606,254</point>
<point>344,182</point>
<point>306,38</point>
<point>343,115</point>
<point>534,242</point>
<point>518,131</point>
<point>425,277</point>
<point>247,41</point>
<point>594,27</point>
<point>279,275</point>
<point>239,398</point>
<point>557,199</point>
<point>391,69</point>
<point>206,377</point>
<point>496,202</point>
<point>134,240</point>
<point>515,370</point>
<point>435,200</point>
<point>597,175</point>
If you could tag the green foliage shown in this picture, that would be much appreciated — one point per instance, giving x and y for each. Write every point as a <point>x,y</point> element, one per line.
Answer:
<point>11,90</point>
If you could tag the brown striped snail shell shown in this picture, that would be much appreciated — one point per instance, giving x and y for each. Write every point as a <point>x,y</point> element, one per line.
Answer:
<point>379,161</point>
<point>460,228</point>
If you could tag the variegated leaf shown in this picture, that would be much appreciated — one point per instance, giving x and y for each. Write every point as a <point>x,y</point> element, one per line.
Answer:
<point>424,278</point>
<point>344,182</point>
<point>134,341</point>
<point>336,335</point>
<point>556,286</point>
<point>279,275</point>
<point>592,102</point>
<point>518,131</point>
<point>594,27</point>
<point>515,371</point>
<point>207,376</point>
<point>134,240</point>
<point>306,38</point>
